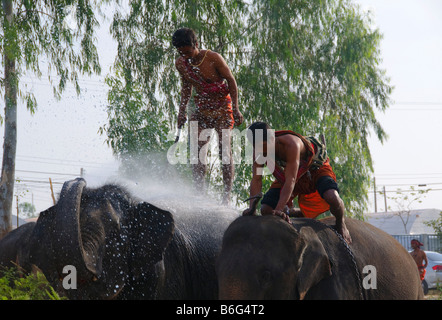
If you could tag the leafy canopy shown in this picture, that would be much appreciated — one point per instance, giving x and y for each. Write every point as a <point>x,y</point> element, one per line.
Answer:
<point>309,66</point>
<point>53,33</point>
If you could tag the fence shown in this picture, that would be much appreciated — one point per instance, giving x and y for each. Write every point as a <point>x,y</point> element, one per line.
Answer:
<point>431,242</point>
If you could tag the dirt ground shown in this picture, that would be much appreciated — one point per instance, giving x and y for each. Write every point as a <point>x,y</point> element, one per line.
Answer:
<point>433,294</point>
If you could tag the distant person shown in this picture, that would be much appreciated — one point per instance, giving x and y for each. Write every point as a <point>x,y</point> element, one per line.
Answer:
<point>420,257</point>
<point>302,169</point>
<point>216,101</point>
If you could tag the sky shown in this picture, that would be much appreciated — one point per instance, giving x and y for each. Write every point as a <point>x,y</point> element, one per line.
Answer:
<point>410,49</point>
<point>61,139</point>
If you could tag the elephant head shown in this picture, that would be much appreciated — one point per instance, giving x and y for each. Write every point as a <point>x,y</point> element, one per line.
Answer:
<point>109,238</point>
<point>263,257</point>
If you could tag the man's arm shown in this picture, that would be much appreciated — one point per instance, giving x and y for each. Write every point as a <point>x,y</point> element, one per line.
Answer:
<point>224,72</point>
<point>255,186</point>
<point>186,92</point>
<point>293,156</point>
<point>256,183</point>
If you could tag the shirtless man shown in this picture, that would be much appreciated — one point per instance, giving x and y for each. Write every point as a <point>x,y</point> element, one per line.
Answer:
<point>298,173</point>
<point>216,101</point>
<point>419,256</point>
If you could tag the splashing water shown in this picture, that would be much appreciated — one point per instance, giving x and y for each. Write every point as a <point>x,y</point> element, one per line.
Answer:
<point>152,179</point>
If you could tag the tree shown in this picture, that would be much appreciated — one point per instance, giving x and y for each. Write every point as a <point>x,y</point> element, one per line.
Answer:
<point>32,32</point>
<point>436,224</point>
<point>309,66</point>
<point>404,201</point>
<point>26,209</point>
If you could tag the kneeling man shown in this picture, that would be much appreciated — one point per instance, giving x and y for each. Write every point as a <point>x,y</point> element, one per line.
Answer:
<point>302,169</point>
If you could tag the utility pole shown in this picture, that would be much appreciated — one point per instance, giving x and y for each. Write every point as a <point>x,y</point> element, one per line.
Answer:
<point>52,191</point>
<point>375,202</point>
<point>16,198</point>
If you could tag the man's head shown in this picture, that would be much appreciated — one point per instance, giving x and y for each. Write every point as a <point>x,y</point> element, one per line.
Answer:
<point>184,40</point>
<point>416,244</point>
<point>261,136</point>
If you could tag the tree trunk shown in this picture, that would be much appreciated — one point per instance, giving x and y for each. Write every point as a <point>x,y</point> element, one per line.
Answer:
<point>10,137</point>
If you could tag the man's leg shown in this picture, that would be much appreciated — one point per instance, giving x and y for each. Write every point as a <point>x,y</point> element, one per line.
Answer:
<point>269,201</point>
<point>199,170</point>
<point>225,154</point>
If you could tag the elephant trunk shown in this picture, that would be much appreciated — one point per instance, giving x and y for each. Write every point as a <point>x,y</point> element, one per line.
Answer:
<point>67,241</point>
<point>235,289</point>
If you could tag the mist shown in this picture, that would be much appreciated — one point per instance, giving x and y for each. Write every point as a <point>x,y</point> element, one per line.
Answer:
<point>151,178</point>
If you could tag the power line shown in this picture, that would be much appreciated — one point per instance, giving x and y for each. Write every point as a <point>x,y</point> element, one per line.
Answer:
<point>410,178</point>
<point>408,174</point>
<point>63,162</point>
<point>55,159</point>
<point>415,109</point>
<point>411,184</point>
<point>48,173</point>
<point>422,103</point>
<point>38,181</point>
<point>401,191</point>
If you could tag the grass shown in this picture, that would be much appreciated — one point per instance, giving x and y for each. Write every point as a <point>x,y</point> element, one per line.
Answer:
<point>15,285</point>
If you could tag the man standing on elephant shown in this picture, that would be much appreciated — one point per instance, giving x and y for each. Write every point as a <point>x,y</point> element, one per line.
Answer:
<point>216,101</point>
<point>301,168</point>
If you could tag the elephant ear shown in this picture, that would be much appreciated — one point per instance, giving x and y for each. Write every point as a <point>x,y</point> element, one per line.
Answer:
<point>314,264</point>
<point>151,231</point>
<point>42,234</point>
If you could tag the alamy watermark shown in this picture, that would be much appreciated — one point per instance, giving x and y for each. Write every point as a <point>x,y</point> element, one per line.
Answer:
<point>70,280</point>
<point>370,280</point>
<point>236,147</point>
<point>368,283</point>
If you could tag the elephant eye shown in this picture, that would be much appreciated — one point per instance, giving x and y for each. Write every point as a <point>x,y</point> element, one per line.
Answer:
<point>265,278</point>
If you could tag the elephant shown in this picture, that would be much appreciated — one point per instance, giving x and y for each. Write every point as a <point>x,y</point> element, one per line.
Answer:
<point>264,257</point>
<point>15,246</point>
<point>124,248</point>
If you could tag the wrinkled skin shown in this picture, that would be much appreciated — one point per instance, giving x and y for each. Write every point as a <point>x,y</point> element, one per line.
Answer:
<point>264,257</point>
<point>15,246</point>
<point>123,248</point>
<point>105,234</point>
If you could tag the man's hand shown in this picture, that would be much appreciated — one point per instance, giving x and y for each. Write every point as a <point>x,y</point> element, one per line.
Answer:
<point>281,214</point>
<point>238,117</point>
<point>248,212</point>
<point>343,231</point>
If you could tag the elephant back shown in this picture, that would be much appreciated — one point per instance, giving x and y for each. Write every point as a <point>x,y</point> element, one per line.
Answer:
<point>371,249</point>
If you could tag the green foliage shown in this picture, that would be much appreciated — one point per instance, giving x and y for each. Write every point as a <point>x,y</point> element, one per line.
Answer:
<point>14,285</point>
<point>27,209</point>
<point>40,35</point>
<point>57,34</point>
<point>404,201</point>
<point>133,125</point>
<point>436,224</point>
<point>309,66</point>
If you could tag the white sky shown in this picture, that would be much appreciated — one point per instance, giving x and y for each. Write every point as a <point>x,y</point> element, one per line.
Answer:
<point>62,137</point>
<point>411,51</point>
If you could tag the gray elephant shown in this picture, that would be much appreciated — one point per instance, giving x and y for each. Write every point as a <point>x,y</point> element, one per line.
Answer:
<point>15,246</point>
<point>124,248</point>
<point>264,257</point>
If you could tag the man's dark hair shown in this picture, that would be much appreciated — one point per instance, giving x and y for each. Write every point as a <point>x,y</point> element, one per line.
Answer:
<point>184,37</point>
<point>251,132</point>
